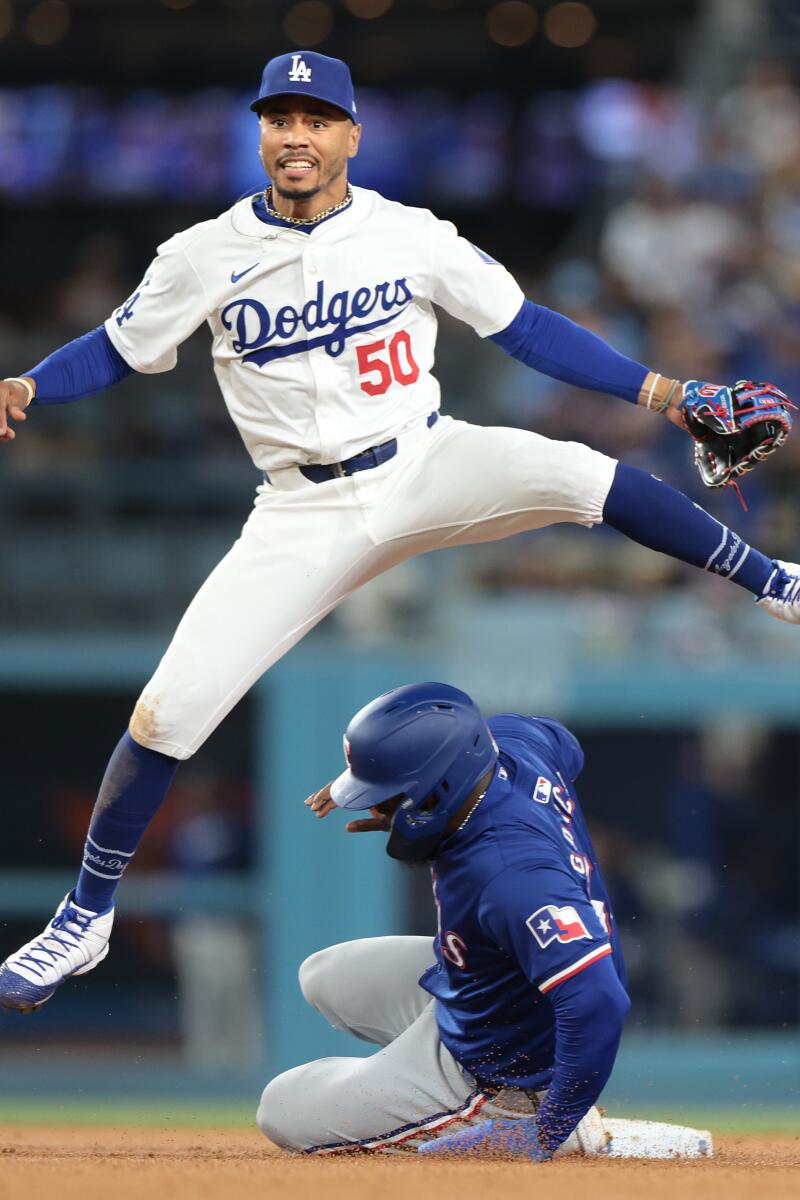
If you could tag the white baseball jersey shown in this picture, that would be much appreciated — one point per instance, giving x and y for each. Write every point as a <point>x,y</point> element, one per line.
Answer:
<point>323,342</point>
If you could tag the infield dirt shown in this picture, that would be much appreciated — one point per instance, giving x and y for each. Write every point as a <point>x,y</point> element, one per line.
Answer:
<point>85,1164</point>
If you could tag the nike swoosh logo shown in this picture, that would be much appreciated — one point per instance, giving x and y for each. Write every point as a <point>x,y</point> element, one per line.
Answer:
<point>235,278</point>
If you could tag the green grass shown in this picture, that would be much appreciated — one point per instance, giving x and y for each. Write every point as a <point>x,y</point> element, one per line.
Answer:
<point>186,1114</point>
<point>722,1120</point>
<point>182,1114</point>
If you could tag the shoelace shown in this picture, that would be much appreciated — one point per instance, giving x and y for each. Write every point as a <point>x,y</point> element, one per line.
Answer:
<point>792,591</point>
<point>782,586</point>
<point>51,953</point>
<point>71,916</point>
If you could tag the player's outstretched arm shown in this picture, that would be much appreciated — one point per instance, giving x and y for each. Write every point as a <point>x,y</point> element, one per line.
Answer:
<point>734,428</point>
<point>556,346</point>
<point>15,396</point>
<point>473,287</point>
<point>590,1010</point>
<point>82,367</point>
<point>88,364</point>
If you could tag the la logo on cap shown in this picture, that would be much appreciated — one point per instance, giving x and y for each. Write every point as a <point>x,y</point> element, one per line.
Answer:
<point>299,73</point>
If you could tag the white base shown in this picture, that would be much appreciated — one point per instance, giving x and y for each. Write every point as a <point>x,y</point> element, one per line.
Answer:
<point>656,1139</point>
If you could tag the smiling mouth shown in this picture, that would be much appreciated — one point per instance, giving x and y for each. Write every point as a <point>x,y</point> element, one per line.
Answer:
<point>297,166</point>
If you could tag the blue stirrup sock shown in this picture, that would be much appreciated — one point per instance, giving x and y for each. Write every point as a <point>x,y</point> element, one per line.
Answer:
<point>134,785</point>
<point>656,515</point>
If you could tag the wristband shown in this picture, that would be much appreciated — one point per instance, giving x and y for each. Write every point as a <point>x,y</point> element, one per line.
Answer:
<point>26,383</point>
<point>676,383</point>
<point>660,404</point>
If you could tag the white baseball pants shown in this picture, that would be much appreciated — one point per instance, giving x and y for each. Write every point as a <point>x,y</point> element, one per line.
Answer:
<point>307,546</point>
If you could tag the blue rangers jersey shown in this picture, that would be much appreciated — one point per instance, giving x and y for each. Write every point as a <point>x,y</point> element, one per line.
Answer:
<point>522,907</point>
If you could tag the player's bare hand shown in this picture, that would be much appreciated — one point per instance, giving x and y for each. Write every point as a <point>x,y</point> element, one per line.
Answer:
<point>13,402</point>
<point>675,415</point>
<point>320,802</point>
<point>380,822</point>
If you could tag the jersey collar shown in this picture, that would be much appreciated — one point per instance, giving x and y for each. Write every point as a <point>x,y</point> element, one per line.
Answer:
<point>250,217</point>
<point>269,218</point>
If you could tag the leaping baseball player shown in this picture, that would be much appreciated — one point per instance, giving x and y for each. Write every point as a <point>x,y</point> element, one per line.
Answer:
<point>320,299</point>
<point>503,1030</point>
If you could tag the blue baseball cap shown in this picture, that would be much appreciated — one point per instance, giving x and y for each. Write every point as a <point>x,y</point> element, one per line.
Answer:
<point>306,73</point>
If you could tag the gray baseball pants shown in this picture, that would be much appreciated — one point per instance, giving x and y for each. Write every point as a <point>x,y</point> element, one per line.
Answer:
<point>413,1088</point>
<point>410,1089</point>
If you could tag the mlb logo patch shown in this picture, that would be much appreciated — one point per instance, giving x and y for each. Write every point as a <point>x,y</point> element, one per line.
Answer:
<point>541,793</point>
<point>553,924</point>
<point>602,916</point>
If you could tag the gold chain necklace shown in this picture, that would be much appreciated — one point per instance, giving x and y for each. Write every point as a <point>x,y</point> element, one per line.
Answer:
<point>327,212</point>
<point>471,811</point>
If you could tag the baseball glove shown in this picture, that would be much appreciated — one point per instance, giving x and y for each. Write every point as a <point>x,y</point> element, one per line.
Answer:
<point>735,428</point>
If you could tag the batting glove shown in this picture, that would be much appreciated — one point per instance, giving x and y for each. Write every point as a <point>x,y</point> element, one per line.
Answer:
<point>497,1138</point>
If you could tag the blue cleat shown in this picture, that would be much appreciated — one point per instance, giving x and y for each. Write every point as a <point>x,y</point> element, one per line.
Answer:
<point>74,942</point>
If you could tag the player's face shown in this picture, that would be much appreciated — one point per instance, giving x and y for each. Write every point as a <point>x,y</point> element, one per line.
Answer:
<point>305,145</point>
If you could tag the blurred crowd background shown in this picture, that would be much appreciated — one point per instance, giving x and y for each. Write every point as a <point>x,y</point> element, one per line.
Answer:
<point>637,166</point>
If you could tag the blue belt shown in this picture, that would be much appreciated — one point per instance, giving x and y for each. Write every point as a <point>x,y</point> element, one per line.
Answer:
<point>365,461</point>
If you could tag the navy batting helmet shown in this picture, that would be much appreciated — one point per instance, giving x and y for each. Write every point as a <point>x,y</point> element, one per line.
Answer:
<point>425,743</point>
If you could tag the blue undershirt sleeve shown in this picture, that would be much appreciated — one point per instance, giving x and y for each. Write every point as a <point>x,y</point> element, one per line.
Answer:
<point>556,346</point>
<point>88,364</point>
<point>590,1010</point>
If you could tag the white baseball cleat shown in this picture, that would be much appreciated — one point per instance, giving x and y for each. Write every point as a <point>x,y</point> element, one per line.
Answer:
<point>74,942</point>
<point>781,597</point>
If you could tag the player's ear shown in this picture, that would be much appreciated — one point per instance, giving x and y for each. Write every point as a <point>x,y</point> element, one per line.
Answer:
<point>355,138</point>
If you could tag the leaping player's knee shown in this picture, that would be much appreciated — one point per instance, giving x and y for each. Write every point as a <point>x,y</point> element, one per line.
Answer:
<point>152,727</point>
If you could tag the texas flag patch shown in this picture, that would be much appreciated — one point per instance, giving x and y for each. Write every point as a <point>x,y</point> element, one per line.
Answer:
<point>553,924</point>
